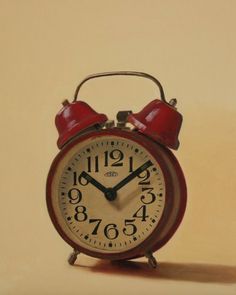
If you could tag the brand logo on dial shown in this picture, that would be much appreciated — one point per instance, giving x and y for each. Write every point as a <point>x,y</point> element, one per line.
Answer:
<point>111,174</point>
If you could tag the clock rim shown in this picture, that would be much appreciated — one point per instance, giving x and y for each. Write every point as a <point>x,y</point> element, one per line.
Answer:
<point>150,244</point>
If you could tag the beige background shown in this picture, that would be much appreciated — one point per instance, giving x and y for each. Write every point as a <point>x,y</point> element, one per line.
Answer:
<point>47,47</point>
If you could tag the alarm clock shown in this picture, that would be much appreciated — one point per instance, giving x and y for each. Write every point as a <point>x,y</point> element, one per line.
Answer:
<point>115,190</point>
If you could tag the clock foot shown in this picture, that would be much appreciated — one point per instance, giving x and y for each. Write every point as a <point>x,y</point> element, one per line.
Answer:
<point>151,259</point>
<point>73,256</point>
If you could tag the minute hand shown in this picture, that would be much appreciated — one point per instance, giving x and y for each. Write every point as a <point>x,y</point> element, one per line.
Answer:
<point>132,175</point>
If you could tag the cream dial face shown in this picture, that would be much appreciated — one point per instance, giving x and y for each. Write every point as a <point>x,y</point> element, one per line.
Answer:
<point>109,194</point>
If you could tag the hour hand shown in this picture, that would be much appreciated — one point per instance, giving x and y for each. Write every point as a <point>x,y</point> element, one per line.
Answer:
<point>109,193</point>
<point>93,181</point>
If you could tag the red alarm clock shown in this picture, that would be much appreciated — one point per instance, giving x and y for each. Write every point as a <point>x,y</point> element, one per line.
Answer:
<point>117,192</point>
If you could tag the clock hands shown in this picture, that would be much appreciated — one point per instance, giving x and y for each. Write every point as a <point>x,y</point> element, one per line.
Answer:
<point>131,176</point>
<point>93,181</point>
<point>111,193</point>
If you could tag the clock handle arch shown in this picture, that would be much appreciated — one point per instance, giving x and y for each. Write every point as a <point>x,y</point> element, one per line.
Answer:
<point>121,73</point>
<point>159,119</point>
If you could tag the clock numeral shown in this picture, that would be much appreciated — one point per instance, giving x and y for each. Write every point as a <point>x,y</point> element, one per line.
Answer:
<point>145,175</point>
<point>81,214</point>
<point>130,228</point>
<point>152,197</point>
<point>131,162</point>
<point>90,162</point>
<point>106,158</point>
<point>141,213</point>
<point>116,155</point>
<point>98,221</point>
<point>74,195</point>
<point>111,232</point>
<point>80,180</point>
<point>74,178</point>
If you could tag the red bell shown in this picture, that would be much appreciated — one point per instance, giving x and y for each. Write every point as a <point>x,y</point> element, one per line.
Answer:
<point>74,118</point>
<point>160,121</point>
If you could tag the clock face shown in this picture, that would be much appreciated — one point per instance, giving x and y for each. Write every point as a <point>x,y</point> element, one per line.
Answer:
<point>108,194</point>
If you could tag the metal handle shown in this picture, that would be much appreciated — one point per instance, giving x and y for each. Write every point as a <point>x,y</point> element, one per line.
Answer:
<point>121,73</point>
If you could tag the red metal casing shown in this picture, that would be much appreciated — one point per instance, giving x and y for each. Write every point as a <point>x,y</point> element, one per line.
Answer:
<point>159,121</point>
<point>174,179</point>
<point>74,118</point>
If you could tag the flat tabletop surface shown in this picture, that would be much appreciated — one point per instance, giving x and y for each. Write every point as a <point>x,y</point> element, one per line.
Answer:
<point>50,274</point>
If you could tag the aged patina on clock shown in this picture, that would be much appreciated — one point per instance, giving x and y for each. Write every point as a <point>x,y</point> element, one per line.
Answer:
<point>117,192</point>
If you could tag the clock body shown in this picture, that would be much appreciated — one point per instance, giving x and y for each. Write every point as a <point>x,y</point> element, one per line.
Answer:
<point>146,209</point>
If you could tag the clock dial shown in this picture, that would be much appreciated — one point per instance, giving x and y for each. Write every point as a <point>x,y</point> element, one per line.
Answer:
<point>109,194</point>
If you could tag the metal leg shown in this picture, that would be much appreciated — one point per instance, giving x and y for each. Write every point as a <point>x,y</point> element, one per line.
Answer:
<point>73,256</point>
<point>151,259</point>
